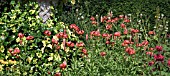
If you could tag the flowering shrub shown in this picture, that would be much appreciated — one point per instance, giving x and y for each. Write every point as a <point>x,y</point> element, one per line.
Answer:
<point>128,45</point>
<point>29,47</point>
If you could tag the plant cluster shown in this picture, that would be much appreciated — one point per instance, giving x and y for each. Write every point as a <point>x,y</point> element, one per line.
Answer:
<point>123,44</point>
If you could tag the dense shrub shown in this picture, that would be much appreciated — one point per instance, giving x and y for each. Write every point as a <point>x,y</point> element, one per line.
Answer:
<point>28,46</point>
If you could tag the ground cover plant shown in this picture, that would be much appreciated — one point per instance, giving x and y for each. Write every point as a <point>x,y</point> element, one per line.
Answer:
<point>104,45</point>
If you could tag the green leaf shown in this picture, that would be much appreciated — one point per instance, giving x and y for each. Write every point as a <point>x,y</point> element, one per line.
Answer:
<point>164,73</point>
<point>32,12</point>
<point>36,6</point>
<point>156,38</point>
<point>18,40</point>
<point>12,2</point>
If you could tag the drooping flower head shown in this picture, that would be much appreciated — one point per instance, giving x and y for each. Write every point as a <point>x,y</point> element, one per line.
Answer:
<point>159,57</point>
<point>159,48</point>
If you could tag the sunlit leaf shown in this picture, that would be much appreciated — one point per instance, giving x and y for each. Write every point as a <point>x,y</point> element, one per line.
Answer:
<point>18,40</point>
<point>67,49</point>
<point>62,46</point>
<point>12,2</point>
<point>50,58</point>
<point>29,59</point>
<point>49,45</point>
<point>39,55</point>
<point>57,57</point>
<point>2,23</point>
<point>44,43</point>
<point>2,49</point>
<point>73,2</point>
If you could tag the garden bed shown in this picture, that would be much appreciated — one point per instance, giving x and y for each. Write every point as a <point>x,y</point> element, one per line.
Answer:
<point>81,43</point>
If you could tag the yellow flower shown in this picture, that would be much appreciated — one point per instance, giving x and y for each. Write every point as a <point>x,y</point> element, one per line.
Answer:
<point>55,37</point>
<point>51,7</point>
<point>3,62</point>
<point>49,25</point>
<point>2,23</point>
<point>73,2</point>
<point>12,61</point>
<point>29,59</point>
<point>50,58</point>
<point>18,40</point>
<point>42,49</point>
<point>44,42</point>
<point>67,49</point>
<point>49,45</point>
<point>39,55</point>
<point>37,17</point>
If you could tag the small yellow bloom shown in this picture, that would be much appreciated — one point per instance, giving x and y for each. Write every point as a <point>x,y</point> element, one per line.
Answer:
<point>12,61</point>
<point>37,17</point>
<point>44,42</point>
<point>50,58</point>
<point>39,55</point>
<point>49,45</point>
<point>18,40</point>
<point>49,25</point>
<point>29,59</point>
<point>67,49</point>
<point>3,62</point>
<point>2,23</point>
<point>48,39</point>
<point>55,37</point>
<point>73,2</point>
